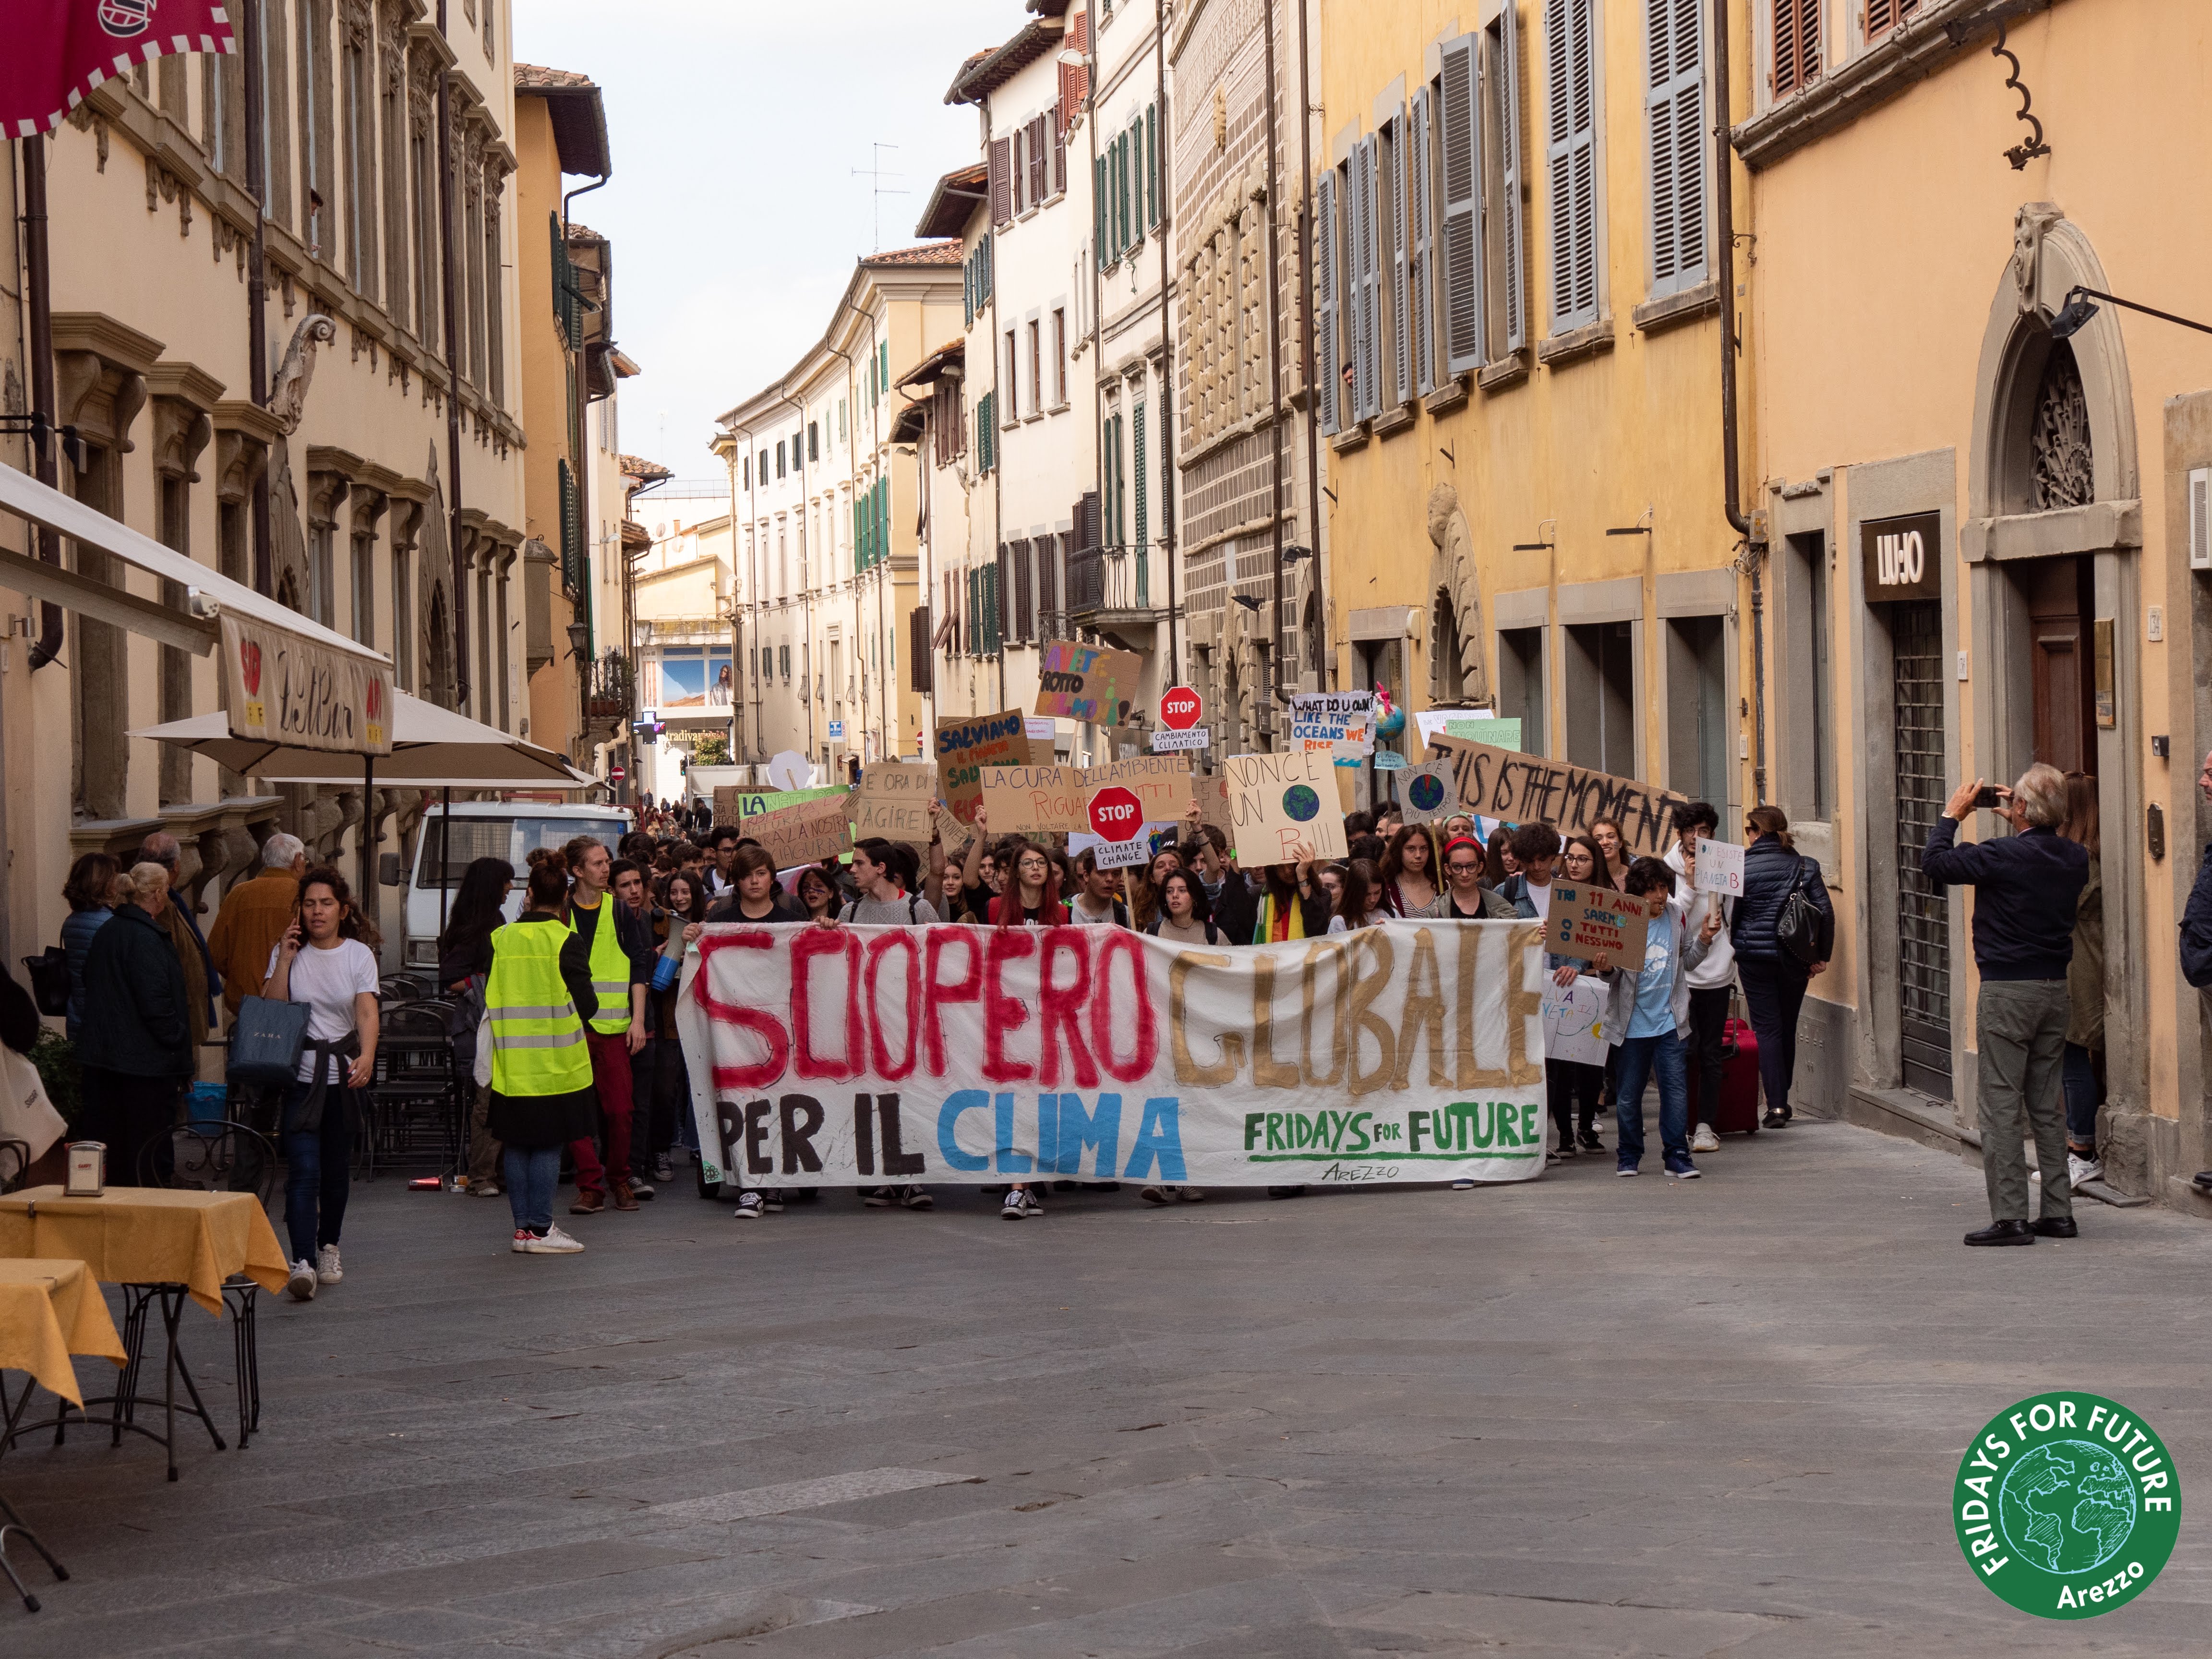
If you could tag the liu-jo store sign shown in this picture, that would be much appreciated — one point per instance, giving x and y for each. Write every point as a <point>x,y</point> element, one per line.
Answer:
<point>1902,557</point>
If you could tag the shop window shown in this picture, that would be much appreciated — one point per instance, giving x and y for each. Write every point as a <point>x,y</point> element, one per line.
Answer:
<point>1600,682</point>
<point>1804,662</point>
<point>1521,686</point>
<point>1697,708</point>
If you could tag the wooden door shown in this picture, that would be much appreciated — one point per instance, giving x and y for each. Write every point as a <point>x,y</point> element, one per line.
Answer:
<point>2061,607</point>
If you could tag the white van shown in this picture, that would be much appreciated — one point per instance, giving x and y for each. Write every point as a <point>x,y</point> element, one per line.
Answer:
<point>480,829</point>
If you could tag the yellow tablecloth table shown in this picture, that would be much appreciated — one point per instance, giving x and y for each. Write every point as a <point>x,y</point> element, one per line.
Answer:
<point>148,1236</point>
<point>48,1311</point>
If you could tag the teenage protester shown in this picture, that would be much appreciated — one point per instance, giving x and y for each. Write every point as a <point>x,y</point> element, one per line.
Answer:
<point>253,917</point>
<point>1712,981</point>
<point>1648,1008</point>
<point>1409,874</point>
<point>684,903</point>
<point>722,846</point>
<point>1773,980</point>
<point>756,896</point>
<point>1231,902</point>
<point>536,999</point>
<point>1536,854</point>
<point>817,895</point>
<point>1330,876</point>
<point>1030,895</point>
<point>1605,832</point>
<point>1503,867</point>
<point>1358,899</point>
<point>1293,904</point>
<point>621,953</point>
<point>135,1039</point>
<point>1145,885</point>
<point>983,873</point>
<point>1576,1089</point>
<point>1457,824</point>
<point>91,879</point>
<point>464,963</point>
<point>326,959</point>
<point>1186,911</point>
<point>1097,903</point>
<point>884,871</point>
<point>2029,893</point>
<point>652,1127</point>
<point>202,982</point>
<point>1466,898</point>
<point>2085,987</point>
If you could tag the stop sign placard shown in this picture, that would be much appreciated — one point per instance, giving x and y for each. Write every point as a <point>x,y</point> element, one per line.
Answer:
<point>1116,814</point>
<point>1180,708</point>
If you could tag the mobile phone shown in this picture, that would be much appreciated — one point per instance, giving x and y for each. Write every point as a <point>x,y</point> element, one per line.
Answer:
<point>1987,800</point>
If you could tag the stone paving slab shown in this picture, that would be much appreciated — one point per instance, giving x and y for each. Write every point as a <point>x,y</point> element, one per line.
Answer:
<point>1583,1417</point>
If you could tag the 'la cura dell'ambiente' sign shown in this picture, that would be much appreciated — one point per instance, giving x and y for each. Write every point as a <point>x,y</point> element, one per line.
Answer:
<point>1904,557</point>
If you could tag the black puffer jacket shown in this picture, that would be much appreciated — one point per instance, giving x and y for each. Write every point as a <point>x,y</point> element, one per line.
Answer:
<point>135,1000</point>
<point>1770,871</point>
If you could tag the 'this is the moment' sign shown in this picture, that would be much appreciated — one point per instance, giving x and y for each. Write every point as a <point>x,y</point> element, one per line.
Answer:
<point>1498,783</point>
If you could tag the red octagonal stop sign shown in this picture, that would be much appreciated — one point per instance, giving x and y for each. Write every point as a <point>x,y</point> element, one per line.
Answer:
<point>1116,814</point>
<point>1180,708</point>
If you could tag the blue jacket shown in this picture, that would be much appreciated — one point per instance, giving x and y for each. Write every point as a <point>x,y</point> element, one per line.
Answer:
<point>1770,872</point>
<point>2196,928</point>
<point>2028,886</point>
<point>78,929</point>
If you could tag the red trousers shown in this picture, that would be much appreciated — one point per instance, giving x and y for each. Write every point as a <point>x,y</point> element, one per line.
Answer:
<point>610,1077</point>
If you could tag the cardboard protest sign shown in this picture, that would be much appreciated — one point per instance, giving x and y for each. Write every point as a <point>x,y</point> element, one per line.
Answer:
<point>1599,925</point>
<point>950,830</point>
<point>966,745</point>
<point>1497,783</point>
<point>1032,801</point>
<point>1719,868</point>
<point>1339,722</point>
<point>1087,682</point>
<point>1283,807</point>
<point>804,833</point>
<point>896,801</point>
<point>1574,1022</point>
<point>1162,782</point>
<point>850,1056</point>
<point>1427,793</point>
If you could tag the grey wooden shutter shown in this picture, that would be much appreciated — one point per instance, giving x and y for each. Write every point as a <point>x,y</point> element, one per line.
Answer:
<point>1459,103</point>
<point>1420,189</point>
<point>1328,308</point>
<point>1674,118</point>
<point>1401,251</point>
<point>1571,159</point>
<point>1513,168</point>
<point>1364,401</point>
<point>1001,185</point>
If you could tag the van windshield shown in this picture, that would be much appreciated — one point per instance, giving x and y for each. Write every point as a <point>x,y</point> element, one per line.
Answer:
<point>449,845</point>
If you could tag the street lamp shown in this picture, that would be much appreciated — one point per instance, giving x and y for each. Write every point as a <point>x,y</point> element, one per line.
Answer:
<point>2074,316</point>
<point>580,641</point>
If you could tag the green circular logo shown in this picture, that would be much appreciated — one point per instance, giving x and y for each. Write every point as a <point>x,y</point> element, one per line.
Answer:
<point>2067,1505</point>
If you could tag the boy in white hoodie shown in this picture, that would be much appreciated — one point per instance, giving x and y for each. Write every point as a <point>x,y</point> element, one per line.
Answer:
<point>1648,1010</point>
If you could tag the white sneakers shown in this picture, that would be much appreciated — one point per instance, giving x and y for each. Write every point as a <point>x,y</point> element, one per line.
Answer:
<point>749,1206</point>
<point>302,1284</point>
<point>1021,1204</point>
<point>328,1269</point>
<point>555,1242</point>
<point>2079,1170</point>
<point>1705,1141</point>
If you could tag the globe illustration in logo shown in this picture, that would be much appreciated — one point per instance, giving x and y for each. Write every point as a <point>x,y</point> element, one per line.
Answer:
<point>2068,1506</point>
<point>1300,802</point>
<point>1426,792</point>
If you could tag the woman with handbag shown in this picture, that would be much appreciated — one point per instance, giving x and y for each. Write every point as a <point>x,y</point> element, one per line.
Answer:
<point>463,961</point>
<point>90,881</point>
<point>327,960</point>
<point>1781,932</point>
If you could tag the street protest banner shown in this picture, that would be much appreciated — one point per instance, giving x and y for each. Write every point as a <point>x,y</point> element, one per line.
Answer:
<point>1283,807</point>
<point>967,746</point>
<point>1409,1051</point>
<point>1087,682</point>
<point>1497,783</point>
<point>1599,925</point>
<point>895,801</point>
<point>1720,867</point>
<point>1341,723</point>
<point>1427,793</point>
<point>804,833</point>
<point>1574,1022</point>
<point>1032,801</point>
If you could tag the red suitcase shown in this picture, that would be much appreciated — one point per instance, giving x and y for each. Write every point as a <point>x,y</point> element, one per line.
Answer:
<point>1738,1112</point>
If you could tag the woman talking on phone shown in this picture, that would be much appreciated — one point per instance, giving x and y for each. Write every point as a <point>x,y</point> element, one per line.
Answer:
<point>326,959</point>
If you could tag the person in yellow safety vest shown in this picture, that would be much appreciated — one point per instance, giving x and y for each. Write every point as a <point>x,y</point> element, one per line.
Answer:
<point>537,998</point>
<point>620,946</point>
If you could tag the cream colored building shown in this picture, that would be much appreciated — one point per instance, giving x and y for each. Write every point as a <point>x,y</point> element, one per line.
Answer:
<point>151,226</point>
<point>682,584</point>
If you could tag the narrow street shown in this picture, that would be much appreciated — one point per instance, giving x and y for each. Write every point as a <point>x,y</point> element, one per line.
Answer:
<point>1587,1416</point>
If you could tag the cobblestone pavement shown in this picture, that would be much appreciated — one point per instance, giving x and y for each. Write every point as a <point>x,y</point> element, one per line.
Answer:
<point>1583,1417</point>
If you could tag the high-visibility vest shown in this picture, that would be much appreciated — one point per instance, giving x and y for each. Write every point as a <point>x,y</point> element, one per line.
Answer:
<point>536,1039</point>
<point>610,970</point>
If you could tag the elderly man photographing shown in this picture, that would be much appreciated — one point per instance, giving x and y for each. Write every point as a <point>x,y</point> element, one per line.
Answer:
<point>2027,885</point>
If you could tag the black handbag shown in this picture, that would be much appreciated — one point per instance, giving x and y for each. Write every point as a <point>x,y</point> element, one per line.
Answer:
<point>265,1042</point>
<point>50,980</point>
<point>1805,930</point>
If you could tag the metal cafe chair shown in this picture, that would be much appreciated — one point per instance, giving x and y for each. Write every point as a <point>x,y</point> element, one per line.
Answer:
<point>414,1102</point>
<point>14,1163</point>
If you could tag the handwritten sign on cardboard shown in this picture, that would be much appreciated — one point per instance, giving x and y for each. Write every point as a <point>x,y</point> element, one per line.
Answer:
<point>1033,800</point>
<point>1719,867</point>
<point>1427,793</point>
<point>1498,783</point>
<point>1087,682</point>
<point>1599,925</point>
<point>895,800</point>
<point>1339,722</point>
<point>804,833</point>
<point>1283,807</point>
<point>965,746</point>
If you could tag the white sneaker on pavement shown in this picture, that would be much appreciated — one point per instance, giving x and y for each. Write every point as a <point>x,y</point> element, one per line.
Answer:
<point>2079,1170</point>
<point>556,1243</point>
<point>1705,1141</point>
<point>749,1206</point>
<point>1013,1209</point>
<point>302,1284</point>
<point>663,1171</point>
<point>521,1245</point>
<point>328,1269</point>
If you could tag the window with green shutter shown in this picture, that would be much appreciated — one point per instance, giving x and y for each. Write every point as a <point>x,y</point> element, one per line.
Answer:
<point>1152,167</point>
<point>884,351</point>
<point>1098,210</point>
<point>1137,447</point>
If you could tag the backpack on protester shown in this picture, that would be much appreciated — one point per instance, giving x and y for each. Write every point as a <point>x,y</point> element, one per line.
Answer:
<point>1804,929</point>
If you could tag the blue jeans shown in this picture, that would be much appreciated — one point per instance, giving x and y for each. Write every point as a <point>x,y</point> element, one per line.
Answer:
<point>1641,1057</point>
<point>532,1173</point>
<point>318,1172</point>
<point>2080,1076</point>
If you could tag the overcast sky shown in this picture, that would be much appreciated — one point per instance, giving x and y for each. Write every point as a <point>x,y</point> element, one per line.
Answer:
<point>736,126</point>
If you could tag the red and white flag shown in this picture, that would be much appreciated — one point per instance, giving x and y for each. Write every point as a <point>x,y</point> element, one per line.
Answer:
<point>52,52</point>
